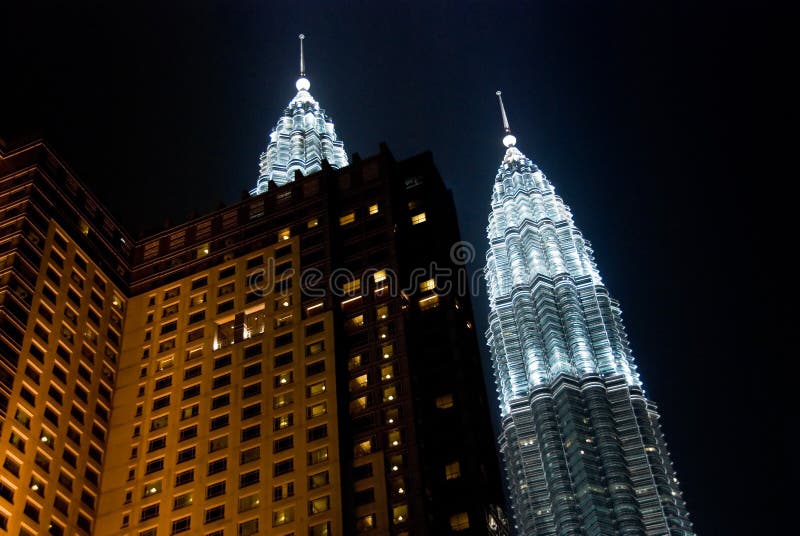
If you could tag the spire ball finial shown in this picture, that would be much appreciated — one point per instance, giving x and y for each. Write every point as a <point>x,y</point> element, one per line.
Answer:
<point>302,83</point>
<point>509,140</point>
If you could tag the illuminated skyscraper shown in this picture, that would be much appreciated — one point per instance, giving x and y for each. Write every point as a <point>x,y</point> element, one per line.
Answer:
<point>582,446</point>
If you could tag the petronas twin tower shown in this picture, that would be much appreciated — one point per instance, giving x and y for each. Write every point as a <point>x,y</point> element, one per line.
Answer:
<point>581,443</point>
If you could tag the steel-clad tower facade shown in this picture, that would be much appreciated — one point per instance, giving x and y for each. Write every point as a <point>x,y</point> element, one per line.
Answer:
<point>581,442</point>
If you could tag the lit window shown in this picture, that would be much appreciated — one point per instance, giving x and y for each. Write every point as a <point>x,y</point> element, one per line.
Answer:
<point>391,415</point>
<point>400,513</point>
<point>355,322</point>
<point>358,405</point>
<point>315,389</point>
<point>248,503</point>
<point>459,521</point>
<point>382,313</point>
<point>452,470</point>
<point>444,401</point>
<point>362,449</point>
<point>322,504</point>
<point>282,516</point>
<point>347,219</point>
<point>203,250</point>
<point>317,410</point>
<point>284,234</point>
<point>425,286</point>
<point>389,394</point>
<point>365,523</point>
<point>313,223</point>
<point>429,303</point>
<point>351,287</point>
<point>354,362</point>
<point>359,382</point>
<point>152,488</point>
<point>393,438</point>
<point>379,276</point>
<point>387,372</point>
<point>418,218</point>
<point>388,351</point>
<point>373,209</point>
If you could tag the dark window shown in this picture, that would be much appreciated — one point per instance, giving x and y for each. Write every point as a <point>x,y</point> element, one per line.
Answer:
<point>221,381</point>
<point>251,390</point>
<point>313,329</point>
<point>181,525</point>
<point>283,359</point>
<point>249,478</point>
<point>223,361</point>
<point>187,433</point>
<point>157,444</point>
<point>162,402</point>
<point>251,432</point>
<point>191,391</point>
<point>215,490</point>
<point>366,496</point>
<point>217,466</point>
<point>184,477</point>
<point>154,466</point>
<point>186,454</point>
<point>284,443</point>
<point>251,370</point>
<point>361,472</point>
<point>282,340</point>
<point>163,383</point>
<point>193,372</point>
<point>318,432</point>
<point>251,411</point>
<point>149,512</point>
<point>220,401</point>
<point>220,422</point>
<point>225,306</point>
<point>252,351</point>
<point>283,467</point>
<point>315,368</point>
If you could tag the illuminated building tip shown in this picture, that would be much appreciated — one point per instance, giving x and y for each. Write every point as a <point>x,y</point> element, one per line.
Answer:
<point>509,140</point>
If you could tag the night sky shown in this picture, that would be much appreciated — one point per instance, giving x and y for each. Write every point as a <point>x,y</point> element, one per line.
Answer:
<point>639,112</point>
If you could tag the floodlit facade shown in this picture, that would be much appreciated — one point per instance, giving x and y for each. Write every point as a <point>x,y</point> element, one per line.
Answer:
<point>581,442</point>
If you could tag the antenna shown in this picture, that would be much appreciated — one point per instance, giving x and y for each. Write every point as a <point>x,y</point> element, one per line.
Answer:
<point>302,59</point>
<point>509,140</point>
<point>503,112</point>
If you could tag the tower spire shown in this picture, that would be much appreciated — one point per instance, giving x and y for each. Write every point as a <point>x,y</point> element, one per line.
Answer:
<point>302,83</point>
<point>302,58</point>
<point>509,140</point>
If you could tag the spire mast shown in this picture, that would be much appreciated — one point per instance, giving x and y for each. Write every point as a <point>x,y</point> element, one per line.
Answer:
<point>509,140</point>
<point>302,83</point>
<point>302,57</point>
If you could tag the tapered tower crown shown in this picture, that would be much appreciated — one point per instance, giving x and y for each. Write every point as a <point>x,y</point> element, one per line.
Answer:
<point>302,139</point>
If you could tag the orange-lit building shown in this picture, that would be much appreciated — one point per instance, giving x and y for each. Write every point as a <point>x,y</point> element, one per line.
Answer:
<point>263,369</point>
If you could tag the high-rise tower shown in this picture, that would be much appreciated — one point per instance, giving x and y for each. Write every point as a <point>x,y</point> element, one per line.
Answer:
<point>582,446</point>
<point>302,139</point>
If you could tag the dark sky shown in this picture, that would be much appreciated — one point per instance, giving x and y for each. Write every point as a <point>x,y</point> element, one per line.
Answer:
<point>641,113</point>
